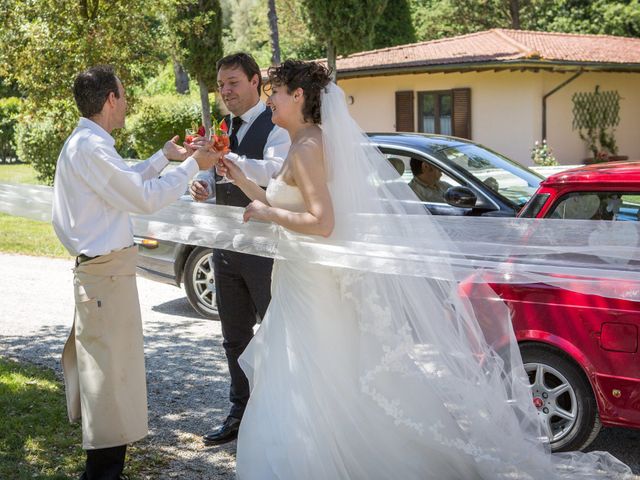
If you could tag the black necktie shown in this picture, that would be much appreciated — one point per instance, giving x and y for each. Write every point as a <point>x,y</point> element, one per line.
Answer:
<point>233,138</point>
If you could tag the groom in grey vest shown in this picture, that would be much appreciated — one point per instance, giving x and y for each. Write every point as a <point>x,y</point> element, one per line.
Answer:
<point>243,282</point>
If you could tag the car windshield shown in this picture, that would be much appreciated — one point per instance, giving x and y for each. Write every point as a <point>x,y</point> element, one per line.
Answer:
<point>514,182</point>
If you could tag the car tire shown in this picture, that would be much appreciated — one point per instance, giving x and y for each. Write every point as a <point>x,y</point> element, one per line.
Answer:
<point>199,282</point>
<point>550,371</point>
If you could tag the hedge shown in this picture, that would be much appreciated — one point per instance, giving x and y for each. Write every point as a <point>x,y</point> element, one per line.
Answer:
<point>159,118</point>
<point>40,139</point>
<point>9,109</point>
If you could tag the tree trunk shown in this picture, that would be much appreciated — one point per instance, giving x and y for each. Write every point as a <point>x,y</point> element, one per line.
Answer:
<point>275,39</point>
<point>206,107</point>
<point>331,60</point>
<point>182,78</point>
<point>514,10</point>
<point>84,11</point>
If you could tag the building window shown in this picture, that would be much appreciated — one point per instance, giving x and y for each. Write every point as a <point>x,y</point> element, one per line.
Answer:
<point>435,112</point>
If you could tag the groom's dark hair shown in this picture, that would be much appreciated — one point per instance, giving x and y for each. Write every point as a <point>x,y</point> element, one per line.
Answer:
<point>92,87</point>
<point>246,62</point>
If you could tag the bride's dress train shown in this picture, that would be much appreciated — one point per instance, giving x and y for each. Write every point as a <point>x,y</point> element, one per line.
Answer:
<point>307,418</point>
<point>312,415</point>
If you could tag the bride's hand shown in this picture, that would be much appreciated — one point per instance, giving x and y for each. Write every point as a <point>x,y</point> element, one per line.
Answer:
<point>256,210</point>
<point>231,171</point>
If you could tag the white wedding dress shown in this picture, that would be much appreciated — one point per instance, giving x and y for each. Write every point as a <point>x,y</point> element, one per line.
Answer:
<point>357,374</point>
<point>307,418</point>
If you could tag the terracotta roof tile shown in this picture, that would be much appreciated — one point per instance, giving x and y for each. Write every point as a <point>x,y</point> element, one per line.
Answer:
<point>499,45</point>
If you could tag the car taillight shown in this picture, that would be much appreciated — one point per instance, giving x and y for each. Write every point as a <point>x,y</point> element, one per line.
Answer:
<point>149,243</point>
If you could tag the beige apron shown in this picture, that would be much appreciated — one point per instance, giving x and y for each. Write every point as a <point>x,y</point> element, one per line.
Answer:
<point>103,359</point>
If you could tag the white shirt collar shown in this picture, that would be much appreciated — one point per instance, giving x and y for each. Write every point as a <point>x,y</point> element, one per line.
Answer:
<point>97,129</point>
<point>251,114</point>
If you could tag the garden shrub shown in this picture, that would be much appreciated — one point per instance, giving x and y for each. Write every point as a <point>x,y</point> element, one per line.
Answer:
<point>9,110</point>
<point>159,118</point>
<point>40,137</point>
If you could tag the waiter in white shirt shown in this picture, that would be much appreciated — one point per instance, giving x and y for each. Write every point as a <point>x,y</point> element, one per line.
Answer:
<point>243,282</point>
<point>94,192</point>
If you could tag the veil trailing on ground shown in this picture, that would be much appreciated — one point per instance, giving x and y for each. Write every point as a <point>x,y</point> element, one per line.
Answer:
<point>403,270</point>
<point>423,330</point>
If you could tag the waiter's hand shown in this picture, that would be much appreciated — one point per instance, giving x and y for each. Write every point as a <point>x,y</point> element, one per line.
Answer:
<point>205,157</point>
<point>173,151</point>
<point>199,190</point>
<point>202,143</point>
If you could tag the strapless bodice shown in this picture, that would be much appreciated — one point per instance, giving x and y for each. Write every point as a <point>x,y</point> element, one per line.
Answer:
<point>282,195</point>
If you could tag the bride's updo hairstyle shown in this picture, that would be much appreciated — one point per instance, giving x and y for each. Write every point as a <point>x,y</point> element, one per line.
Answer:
<point>311,77</point>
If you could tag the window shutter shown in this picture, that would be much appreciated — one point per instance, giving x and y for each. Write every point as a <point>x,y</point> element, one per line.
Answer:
<point>404,111</point>
<point>462,112</point>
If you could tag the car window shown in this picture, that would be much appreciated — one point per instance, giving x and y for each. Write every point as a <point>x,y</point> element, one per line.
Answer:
<point>616,206</point>
<point>428,181</point>
<point>533,207</point>
<point>500,174</point>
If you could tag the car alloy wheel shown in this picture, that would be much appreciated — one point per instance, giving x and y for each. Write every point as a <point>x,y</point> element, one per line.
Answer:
<point>562,396</point>
<point>200,283</point>
<point>554,399</point>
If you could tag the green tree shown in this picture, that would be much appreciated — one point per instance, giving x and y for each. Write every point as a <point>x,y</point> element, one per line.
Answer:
<point>246,28</point>
<point>608,17</point>
<point>9,109</point>
<point>44,44</point>
<point>484,14</point>
<point>198,31</point>
<point>8,88</point>
<point>249,30</point>
<point>433,19</point>
<point>395,26</point>
<point>345,26</point>
<point>296,40</point>
<point>444,18</point>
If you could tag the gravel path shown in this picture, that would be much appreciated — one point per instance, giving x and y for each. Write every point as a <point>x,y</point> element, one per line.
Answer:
<point>186,367</point>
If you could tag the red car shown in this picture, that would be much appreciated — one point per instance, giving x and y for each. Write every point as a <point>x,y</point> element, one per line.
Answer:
<point>580,350</point>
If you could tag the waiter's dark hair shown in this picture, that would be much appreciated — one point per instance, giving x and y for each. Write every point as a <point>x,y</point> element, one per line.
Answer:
<point>246,62</point>
<point>92,87</point>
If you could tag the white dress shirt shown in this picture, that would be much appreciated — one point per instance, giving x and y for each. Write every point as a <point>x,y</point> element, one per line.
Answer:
<point>95,190</point>
<point>275,149</point>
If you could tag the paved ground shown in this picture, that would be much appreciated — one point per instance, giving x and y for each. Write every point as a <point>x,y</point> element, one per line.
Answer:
<point>186,368</point>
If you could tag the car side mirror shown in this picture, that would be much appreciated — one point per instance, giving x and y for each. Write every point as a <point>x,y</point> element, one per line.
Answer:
<point>462,197</point>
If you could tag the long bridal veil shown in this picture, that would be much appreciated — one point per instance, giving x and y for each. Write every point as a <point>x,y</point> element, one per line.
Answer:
<point>420,333</point>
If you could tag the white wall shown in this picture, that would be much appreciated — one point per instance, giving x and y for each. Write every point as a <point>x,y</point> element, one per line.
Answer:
<point>506,108</point>
<point>567,145</point>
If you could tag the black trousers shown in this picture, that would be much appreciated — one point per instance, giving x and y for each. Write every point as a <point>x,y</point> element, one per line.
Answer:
<point>104,463</point>
<point>243,290</point>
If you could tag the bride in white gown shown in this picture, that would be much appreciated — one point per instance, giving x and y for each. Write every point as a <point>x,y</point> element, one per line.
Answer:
<point>361,375</point>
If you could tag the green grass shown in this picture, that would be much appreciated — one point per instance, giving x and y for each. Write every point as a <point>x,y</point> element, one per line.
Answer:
<point>21,235</point>
<point>18,173</point>
<point>29,237</point>
<point>36,439</point>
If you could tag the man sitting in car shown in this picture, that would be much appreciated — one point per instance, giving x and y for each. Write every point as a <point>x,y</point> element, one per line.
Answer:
<point>426,181</point>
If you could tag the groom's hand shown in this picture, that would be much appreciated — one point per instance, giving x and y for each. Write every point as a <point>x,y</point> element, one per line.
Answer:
<point>199,190</point>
